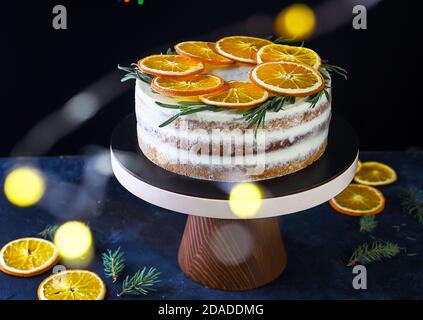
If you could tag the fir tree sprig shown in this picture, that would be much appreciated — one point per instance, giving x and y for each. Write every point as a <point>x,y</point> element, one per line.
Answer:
<point>377,251</point>
<point>113,263</point>
<point>48,232</point>
<point>368,223</point>
<point>141,283</point>
<point>412,203</point>
<point>133,73</point>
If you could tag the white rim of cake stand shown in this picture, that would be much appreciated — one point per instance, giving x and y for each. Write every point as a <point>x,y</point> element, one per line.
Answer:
<point>219,209</point>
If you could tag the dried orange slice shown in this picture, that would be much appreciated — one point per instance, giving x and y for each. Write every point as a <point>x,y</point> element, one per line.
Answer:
<point>359,164</point>
<point>240,48</point>
<point>170,65</point>
<point>281,52</point>
<point>375,174</point>
<point>192,86</point>
<point>202,51</point>
<point>72,285</point>
<point>359,200</point>
<point>236,94</point>
<point>288,78</point>
<point>28,257</point>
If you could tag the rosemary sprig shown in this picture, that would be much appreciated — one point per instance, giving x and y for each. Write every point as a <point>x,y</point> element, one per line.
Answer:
<point>48,232</point>
<point>326,70</point>
<point>368,224</point>
<point>133,73</point>
<point>330,68</point>
<point>171,51</point>
<point>377,251</point>
<point>282,40</point>
<point>113,263</point>
<point>186,108</point>
<point>142,282</point>
<point>412,203</point>
<point>314,98</point>
<point>256,116</point>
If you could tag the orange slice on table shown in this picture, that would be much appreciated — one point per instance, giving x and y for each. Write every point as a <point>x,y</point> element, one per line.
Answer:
<point>236,94</point>
<point>72,285</point>
<point>288,78</point>
<point>359,200</point>
<point>28,257</point>
<point>170,65</point>
<point>281,52</point>
<point>192,86</point>
<point>375,174</point>
<point>240,48</point>
<point>202,51</point>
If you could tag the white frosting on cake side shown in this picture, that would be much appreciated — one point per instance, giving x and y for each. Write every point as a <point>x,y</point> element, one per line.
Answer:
<point>172,154</point>
<point>147,121</point>
<point>305,136</point>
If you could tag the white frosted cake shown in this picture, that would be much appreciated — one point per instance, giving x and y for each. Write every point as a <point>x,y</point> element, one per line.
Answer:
<point>218,143</point>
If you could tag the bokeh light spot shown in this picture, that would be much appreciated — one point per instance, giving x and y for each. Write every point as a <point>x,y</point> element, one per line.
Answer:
<point>74,241</point>
<point>245,200</point>
<point>24,186</point>
<point>295,22</point>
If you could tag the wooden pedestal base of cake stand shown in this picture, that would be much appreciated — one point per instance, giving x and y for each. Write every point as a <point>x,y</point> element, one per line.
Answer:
<point>218,249</point>
<point>232,254</point>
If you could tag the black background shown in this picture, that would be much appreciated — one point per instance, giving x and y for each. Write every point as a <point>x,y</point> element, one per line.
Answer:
<point>42,68</point>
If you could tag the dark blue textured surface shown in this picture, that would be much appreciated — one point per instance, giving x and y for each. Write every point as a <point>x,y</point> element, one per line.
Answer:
<point>319,241</point>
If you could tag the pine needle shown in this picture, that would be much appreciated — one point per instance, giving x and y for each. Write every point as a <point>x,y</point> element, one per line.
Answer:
<point>141,283</point>
<point>48,232</point>
<point>113,263</point>
<point>368,223</point>
<point>377,251</point>
<point>412,203</point>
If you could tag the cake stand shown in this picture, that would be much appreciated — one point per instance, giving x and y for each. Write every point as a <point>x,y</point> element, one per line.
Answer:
<point>218,249</point>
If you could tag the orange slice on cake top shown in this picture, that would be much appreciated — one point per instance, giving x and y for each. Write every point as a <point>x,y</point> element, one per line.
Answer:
<point>288,78</point>
<point>192,86</point>
<point>241,48</point>
<point>236,94</point>
<point>202,51</point>
<point>280,52</point>
<point>169,65</point>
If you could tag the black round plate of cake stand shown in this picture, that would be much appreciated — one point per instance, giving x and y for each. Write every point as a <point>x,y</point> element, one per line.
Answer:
<point>313,185</point>
<point>206,202</point>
